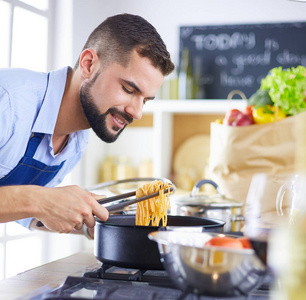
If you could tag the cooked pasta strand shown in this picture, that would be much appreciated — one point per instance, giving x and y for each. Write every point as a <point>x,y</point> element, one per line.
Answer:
<point>151,211</point>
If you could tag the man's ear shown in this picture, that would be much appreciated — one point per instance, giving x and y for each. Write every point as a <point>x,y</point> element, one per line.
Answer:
<point>89,63</point>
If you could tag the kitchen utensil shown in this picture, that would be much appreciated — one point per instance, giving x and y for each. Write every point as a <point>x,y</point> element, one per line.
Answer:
<point>208,270</point>
<point>118,187</point>
<point>114,185</point>
<point>213,205</point>
<point>119,242</point>
<point>122,205</point>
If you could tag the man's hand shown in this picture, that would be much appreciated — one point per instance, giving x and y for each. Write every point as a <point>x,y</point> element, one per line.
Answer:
<point>64,209</point>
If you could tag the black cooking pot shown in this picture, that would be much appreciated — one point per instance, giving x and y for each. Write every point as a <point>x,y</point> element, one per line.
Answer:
<point>119,242</point>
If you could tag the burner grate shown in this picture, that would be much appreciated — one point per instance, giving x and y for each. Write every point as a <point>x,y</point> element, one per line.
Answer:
<point>101,289</point>
<point>153,277</point>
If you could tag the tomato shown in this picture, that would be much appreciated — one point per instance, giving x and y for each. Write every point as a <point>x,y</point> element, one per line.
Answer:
<point>225,241</point>
<point>245,242</point>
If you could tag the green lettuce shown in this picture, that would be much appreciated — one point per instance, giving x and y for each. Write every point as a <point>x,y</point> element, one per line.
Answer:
<point>287,88</point>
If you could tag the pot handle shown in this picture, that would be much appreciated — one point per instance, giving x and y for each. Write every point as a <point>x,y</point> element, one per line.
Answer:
<point>197,186</point>
<point>238,218</point>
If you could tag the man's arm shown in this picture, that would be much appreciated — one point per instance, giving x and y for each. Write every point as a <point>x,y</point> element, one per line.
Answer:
<point>61,209</point>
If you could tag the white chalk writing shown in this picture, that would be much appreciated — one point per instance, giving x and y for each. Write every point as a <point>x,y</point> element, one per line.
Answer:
<point>238,81</point>
<point>224,41</point>
<point>251,59</point>
<point>287,58</point>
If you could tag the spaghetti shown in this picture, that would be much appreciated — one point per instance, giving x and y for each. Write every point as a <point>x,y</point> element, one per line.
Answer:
<point>153,210</point>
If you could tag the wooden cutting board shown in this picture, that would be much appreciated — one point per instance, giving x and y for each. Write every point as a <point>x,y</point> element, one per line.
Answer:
<point>190,161</point>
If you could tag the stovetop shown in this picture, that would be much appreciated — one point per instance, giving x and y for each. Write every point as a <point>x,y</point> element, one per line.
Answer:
<point>112,283</point>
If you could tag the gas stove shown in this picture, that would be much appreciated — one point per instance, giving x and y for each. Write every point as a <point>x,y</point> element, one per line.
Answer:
<point>113,283</point>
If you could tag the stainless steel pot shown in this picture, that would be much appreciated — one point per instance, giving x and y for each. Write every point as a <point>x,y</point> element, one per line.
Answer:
<point>215,206</point>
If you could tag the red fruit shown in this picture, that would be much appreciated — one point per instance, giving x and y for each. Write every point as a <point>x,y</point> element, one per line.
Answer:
<point>249,111</point>
<point>245,242</point>
<point>243,120</point>
<point>231,116</point>
<point>227,242</point>
<point>235,117</point>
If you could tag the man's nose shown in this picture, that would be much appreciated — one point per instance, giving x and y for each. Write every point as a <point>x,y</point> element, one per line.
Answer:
<point>135,108</point>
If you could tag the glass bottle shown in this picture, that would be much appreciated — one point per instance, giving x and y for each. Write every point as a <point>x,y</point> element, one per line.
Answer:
<point>185,81</point>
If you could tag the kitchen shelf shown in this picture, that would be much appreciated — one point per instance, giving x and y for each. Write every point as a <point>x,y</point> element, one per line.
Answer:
<point>193,106</point>
<point>163,111</point>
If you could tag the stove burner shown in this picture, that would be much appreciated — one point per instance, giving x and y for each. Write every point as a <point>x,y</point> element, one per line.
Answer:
<point>113,283</point>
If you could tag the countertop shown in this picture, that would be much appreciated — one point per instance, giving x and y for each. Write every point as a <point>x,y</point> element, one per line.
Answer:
<point>33,282</point>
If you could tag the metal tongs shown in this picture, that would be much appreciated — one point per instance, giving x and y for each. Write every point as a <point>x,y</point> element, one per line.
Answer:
<point>121,205</point>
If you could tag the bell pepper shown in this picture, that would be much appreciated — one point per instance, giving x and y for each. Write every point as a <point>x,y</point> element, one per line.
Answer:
<point>267,114</point>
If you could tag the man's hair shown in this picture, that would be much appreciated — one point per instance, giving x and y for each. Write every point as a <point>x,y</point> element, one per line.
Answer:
<point>116,38</point>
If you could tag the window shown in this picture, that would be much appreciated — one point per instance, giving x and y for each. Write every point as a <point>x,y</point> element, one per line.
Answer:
<point>24,33</point>
<point>24,36</point>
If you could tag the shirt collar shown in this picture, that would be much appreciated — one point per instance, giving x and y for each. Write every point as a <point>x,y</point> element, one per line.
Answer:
<point>47,116</point>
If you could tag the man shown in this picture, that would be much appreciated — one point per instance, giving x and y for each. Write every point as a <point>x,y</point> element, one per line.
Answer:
<point>44,120</point>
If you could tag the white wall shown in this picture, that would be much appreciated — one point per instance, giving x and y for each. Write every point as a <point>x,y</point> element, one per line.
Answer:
<point>63,32</point>
<point>168,15</point>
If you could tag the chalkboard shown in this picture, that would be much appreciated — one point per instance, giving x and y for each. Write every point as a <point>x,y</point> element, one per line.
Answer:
<point>230,57</point>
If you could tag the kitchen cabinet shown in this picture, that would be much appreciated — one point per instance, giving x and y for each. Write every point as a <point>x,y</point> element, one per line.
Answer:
<point>174,120</point>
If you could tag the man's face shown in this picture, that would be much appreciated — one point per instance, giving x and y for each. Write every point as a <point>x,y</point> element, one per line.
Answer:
<point>113,97</point>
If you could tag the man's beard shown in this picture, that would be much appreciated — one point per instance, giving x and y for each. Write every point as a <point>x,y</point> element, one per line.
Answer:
<point>96,120</point>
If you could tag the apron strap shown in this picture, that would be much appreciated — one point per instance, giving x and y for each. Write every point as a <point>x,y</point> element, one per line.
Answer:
<point>33,143</point>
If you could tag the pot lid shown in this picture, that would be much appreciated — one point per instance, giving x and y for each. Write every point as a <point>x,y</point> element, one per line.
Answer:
<point>216,200</point>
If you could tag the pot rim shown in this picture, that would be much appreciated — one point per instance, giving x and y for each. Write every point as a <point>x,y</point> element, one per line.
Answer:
<point>214,222</point>
<point>204,204</point>
<point>163,238</point>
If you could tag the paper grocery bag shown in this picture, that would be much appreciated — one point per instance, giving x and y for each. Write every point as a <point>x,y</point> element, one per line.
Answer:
<point>237,153</point>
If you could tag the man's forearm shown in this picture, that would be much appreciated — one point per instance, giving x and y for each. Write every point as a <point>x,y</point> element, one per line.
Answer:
<point>17,202</point>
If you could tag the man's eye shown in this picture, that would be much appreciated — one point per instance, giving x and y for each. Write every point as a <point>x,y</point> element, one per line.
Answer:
<point>126,90</point>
